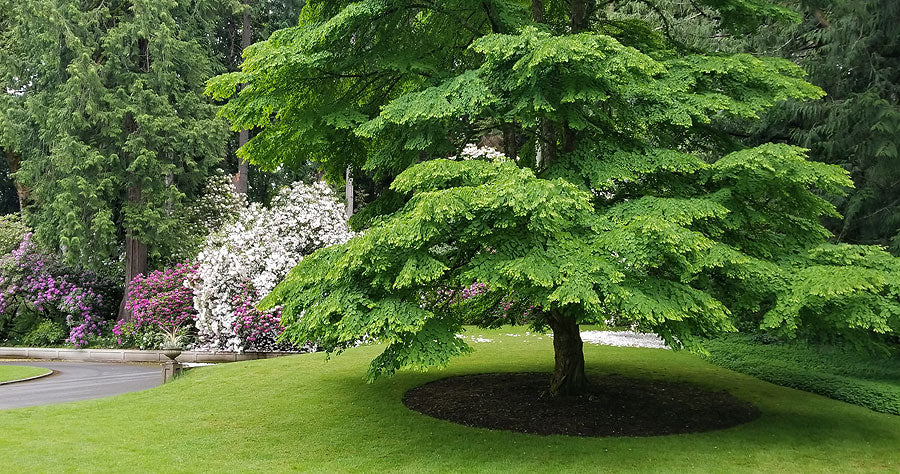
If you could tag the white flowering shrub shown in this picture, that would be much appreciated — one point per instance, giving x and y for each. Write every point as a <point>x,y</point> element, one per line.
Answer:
<point>474,152</point>
<point>256,251</point>
<point>217,206</point>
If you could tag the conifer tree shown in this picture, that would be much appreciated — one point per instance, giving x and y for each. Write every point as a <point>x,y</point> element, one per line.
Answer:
<point>111,123</point>
<point>850,49</point>
<point>620,196</point>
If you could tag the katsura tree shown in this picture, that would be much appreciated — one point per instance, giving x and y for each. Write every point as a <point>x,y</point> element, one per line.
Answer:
<point>107,114</point>
<point>618,196</point>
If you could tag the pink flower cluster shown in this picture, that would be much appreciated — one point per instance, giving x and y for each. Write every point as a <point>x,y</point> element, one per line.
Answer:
<point>444,297</point>
<point>453,296</point>
<point>161,300</point>
<point>34,280</point>
<point>257,329</point>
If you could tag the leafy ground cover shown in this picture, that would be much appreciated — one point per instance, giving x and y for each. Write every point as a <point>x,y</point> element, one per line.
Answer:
<point>848,376</point>
<point>16,372</point>
<point>305,413</point>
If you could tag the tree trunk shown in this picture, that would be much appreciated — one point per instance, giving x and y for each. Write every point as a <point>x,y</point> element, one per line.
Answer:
<point>537,10</point>
<point>135,256</point>
<point>14,162</point>
<point>579,15</point>
<point>546,143</point>
<point>510,145</point>
<point>568,373</point>
<point>348,191</point>
<point>241,181</point>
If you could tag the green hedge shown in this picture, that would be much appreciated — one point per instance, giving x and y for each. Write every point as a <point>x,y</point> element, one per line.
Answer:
<point>847,376</point>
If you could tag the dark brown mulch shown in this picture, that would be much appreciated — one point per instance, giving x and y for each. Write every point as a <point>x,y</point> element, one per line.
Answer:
<point>613,406</point>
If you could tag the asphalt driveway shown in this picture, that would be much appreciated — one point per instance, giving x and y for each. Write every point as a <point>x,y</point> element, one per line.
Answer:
<point>78,381</point>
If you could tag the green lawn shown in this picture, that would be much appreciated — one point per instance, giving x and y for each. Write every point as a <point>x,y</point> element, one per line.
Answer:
<point>15,372</point>
<point>305,413</point>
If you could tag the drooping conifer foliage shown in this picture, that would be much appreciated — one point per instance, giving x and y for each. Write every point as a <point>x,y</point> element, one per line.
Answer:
<point>619,197</point>
<point>104,108</point>
<point>852,50</point>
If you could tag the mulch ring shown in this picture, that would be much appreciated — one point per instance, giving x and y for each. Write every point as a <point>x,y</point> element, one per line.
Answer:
<point>613,405</point>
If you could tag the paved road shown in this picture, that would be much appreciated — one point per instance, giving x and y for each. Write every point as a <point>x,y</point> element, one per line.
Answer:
<point>78,381</point>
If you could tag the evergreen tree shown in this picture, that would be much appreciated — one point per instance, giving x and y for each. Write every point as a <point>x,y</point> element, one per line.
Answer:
<point>852,50</point>
<point>621,194</point>
<point>110,122</point>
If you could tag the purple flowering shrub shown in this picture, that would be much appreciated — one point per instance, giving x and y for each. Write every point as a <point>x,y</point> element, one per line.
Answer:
<point>258,331</point>
<point>34,284</point>
<point>161,304</point>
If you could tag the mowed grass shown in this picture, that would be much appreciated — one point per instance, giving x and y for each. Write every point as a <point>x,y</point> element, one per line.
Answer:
<point>16,372</point>
<point>304,413</point>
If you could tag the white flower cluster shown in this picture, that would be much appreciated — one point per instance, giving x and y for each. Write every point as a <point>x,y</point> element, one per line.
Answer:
<point>216,207</point>
<point>260,247</point>
<point>473,152</point>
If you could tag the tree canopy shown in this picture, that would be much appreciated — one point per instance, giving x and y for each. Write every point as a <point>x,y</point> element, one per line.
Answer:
<point>620,196</point>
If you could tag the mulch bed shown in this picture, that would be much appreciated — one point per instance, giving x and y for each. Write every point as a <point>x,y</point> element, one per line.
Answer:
<point>613,406</point>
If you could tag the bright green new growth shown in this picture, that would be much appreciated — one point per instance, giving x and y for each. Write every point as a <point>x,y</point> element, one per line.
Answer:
<point>620,197</point>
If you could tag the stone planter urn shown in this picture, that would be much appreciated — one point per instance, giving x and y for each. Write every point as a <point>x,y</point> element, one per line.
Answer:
<point>172,352</point>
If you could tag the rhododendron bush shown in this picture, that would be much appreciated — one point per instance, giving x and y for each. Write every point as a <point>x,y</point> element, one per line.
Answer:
<point>160,303</point>
<point>246,259</point>
<point>34,282</point>
<point>217,206</point>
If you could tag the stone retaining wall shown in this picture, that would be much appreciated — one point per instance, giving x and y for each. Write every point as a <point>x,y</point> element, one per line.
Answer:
<point>119,355</point>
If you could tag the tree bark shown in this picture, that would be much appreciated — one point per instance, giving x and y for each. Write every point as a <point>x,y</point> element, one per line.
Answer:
<point>578,15</point>
<point>537,10</point>
<point>241,180</point>
<point>348,191</point>
<point>546,143</point>
<point>135,255</point>
<point>510,145</point>
<point>568,373</point>
<point>14,162</point>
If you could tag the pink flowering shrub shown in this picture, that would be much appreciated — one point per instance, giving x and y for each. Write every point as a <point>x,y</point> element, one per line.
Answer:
<point>160,303</point>
<point>257,330</point>
<point>34,282</point>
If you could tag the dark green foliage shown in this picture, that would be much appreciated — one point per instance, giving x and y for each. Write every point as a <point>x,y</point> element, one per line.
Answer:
<point>46,333</point>
<point>855,58</point>
<point>848,376</point>
<point>622,196</point>
<point>107,100</point>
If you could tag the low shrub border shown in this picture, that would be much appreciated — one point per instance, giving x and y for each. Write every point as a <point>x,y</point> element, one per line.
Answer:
<point>875,385</point>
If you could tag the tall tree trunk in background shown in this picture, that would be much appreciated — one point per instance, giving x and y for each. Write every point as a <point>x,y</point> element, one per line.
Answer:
<point>348,191</point>
<point>537,10</point>
<point>546,143</point>
<point>568,372</point>
<point>135,254</point>
<point>578,16</point>
<point>510,143</point>
<point>241,181</point>
<point>13,160</point>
